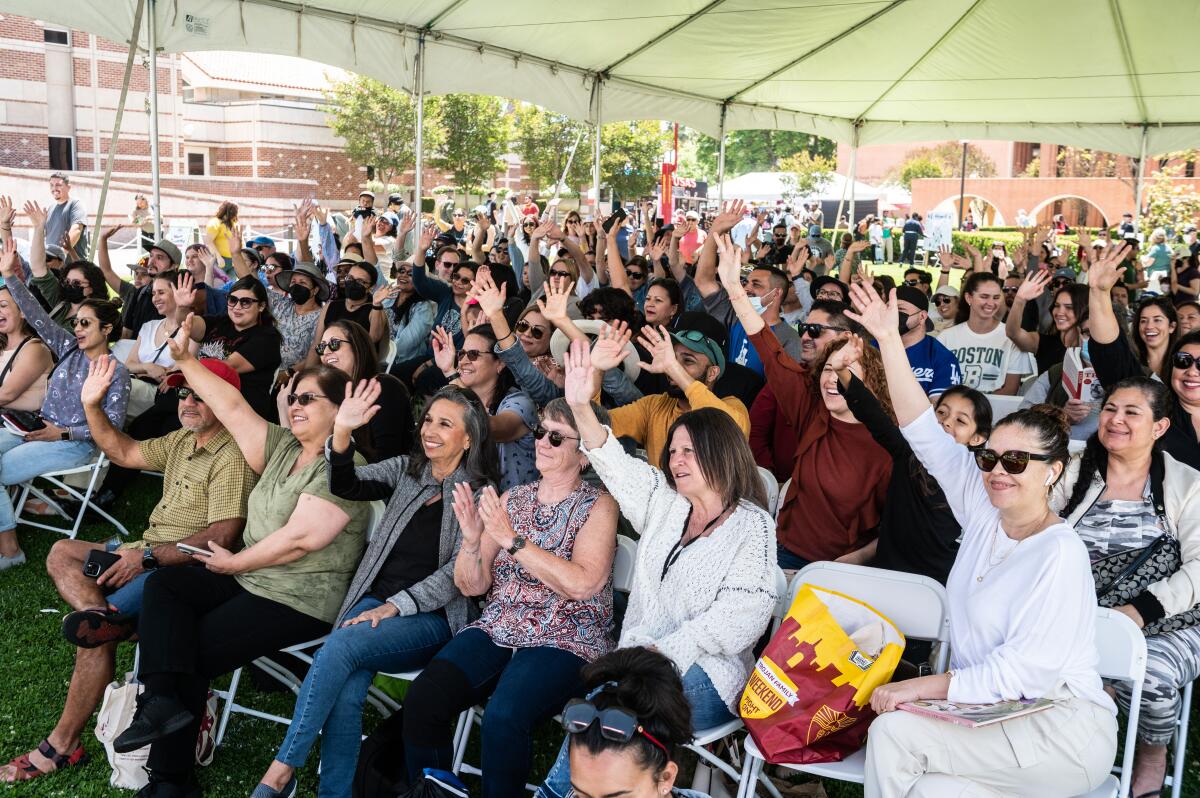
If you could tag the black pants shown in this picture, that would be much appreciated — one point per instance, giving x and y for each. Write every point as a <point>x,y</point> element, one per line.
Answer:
<point>196,625</point>
<point>910,248</point>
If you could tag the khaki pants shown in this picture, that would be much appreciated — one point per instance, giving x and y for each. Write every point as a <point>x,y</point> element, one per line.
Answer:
<point>1060,752</point>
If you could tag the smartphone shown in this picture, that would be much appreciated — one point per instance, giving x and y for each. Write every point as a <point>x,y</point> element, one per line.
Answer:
<point>195,551</point>
<point>617,217</point>
<point>98,561</point>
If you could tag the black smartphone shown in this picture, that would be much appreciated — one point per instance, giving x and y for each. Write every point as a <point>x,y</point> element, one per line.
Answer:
<point>98,561</point>
<point>617,217</point>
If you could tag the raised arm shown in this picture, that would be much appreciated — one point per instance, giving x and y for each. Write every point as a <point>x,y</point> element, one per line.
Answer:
<point>1032,288</point>
<point>1103,275</point>
<point>102,260</point>
<point>601,250</point>
<point>37,243</point>
<point>185,296</point>
<point>54,336</point>
<point>706,263</point>
<point>120,448</point>
<point>364,483</point>
<point>303,227</point>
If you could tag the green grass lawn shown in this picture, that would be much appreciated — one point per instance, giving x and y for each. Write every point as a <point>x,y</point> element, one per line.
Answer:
<point>38,664</point>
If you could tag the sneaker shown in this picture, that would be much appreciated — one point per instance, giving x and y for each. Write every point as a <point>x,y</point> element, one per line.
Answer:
<point>286,791</point>
<point>159,787</point>
<point>9,562</point>
<point>93,628</point>
<point>156,717</point>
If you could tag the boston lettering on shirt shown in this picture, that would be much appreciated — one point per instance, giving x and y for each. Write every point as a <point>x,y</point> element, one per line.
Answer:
<point>986,360</point>
<point>934,366</point>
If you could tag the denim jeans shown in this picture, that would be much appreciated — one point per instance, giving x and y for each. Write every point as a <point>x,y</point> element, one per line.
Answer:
<point>708,711</point>
<point>21,461</point>
<point>788,560</point>
<point>331,700</point>
<point>526,685</point>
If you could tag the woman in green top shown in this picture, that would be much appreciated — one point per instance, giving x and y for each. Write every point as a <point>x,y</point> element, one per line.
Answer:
<point>301,547</point>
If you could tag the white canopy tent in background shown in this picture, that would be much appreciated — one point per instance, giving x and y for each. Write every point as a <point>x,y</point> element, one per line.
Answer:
<point>770,186</point>
<point>1116,75</point>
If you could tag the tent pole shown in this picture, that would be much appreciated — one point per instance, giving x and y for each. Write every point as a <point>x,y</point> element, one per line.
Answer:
<point>420,137</point>
<point>596,144</point>
<point>853,178</point>
<point>1139,181</point>
<point>152,41</point>
<point>721,161</point>
<point>112,144</point>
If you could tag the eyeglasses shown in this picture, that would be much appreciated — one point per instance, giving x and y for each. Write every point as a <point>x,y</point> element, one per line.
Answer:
<point>1184,360</point>
<point>243,302</point>
<point>1014,461</point>
<point>942,300</point>
<point>635,274</point>
<point>525,328</point>
<point>363,283</point>
<point>471,355</point>
<point>183,394</point>
<point>560,274</point>
<point>459,215</point>
<point>461,280</point>
<point>833,296</point>
<point>77,284</point>
<point>305,399</point>
<point>398,272</point>
<point>1010,290</point>
<point>815,330</point>
<point>912,283</point>
<point>84,323</point>
<point>333,345</point>
<point>556,438</point>
<point>616,723</point>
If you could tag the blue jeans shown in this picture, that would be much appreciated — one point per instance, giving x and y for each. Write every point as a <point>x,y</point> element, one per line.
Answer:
<point>331,700</point>
<point>21,462</point>
<point>788,560</point>
<point>526,686</point>
<point>708,711</point>
<point>128,597</point>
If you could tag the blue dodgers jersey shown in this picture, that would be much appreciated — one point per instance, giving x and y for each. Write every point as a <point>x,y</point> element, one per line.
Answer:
<point>742,351</point>
<point>935,367</point>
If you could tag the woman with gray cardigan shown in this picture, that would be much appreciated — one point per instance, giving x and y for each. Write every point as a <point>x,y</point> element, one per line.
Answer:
<point>403,605</point>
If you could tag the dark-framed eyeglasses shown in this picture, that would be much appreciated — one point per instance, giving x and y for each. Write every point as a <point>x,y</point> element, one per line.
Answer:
<point>525,328</point>
<point>77,284</point>
<point>243,302</point>
<point>556,438</point>
<point>305,399</point>
<point>815,330</point>
<point>471,355</point>
<point>183,392</point>
<point>332,345</point>
<point>1184,360</point>
<point>1014,460</point>
<point>1012,289</point>
<point>400,271</point>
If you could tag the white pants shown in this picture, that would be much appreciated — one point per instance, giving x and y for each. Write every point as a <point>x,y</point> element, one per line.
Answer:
<point>1057,753</point>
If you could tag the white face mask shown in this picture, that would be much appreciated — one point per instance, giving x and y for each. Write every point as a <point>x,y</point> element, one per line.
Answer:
<point>757,304</point>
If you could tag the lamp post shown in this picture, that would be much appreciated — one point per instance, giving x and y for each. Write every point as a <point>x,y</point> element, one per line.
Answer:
<point>962,187</point>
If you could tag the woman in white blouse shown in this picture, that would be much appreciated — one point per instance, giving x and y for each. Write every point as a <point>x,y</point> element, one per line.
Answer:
<point>150,360</point>
<point>1022,612</point>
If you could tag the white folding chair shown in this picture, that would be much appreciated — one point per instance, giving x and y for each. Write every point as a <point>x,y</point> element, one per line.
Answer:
<point>1003,406</point>
<point>301,651</point>
<point>1122,648</point>
<point>389,357</point>
<point>120,349</point>
<point>772,487</point>
<point>917,605</point>
<point>94,471</point>
<point>783,489</point>
<point>623,563</point>
<point>1175,779</point>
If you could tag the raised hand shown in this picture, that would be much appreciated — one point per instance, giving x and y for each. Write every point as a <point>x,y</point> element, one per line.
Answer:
<point>303,220</point>
<point>428,233</point>
<point>180,342</point>
<point>8,212</point>
<point>880,318</point>
<point>1085,241</point>
<point>656,251</point>
<point>544,229</point>
<point>99,378</point>
<point>9,259</point>
<point>858,246</point>
<point>610,348</point>
<point>443,349</point>
<point>554,304</point>
<point>383,292</point>
<point>407,223</point>
<point>185,290</point>
<point>846,356</point>
<point>239,235</point>
<point>467,514</point>
<point>661,347</point>
<point>320,213</point>
<point>1108,270</point>
<point>730,215</point>
<point>1034,285</point>
<point>491,299</point>
<point>797,260</point>
<point>359,406</point>
<point>495,518</point>
<point>36,213</point>
<point>729,263</point>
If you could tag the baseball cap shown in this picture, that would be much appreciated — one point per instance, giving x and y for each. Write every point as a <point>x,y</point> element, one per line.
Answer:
<point>915,297</point>
<point>701,344</point>
<point>691,215</point>
<point>814,231</point>
<point>168,248</point>
<point>365,193</point>
<point>699,320</point>
<point>253,256</point>
<point>218,367</point>
<point>1064,273</point>
<point>824,280</point>
<point>395,199</point>
<point>1189,228</point>
<point>946,290</point>
<point>261,241</point>
<point>55,252</point>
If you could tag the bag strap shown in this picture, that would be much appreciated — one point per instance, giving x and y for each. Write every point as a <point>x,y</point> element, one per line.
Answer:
<point>1133,567</point>
<point>9,365</point>
<point>1158,470</point>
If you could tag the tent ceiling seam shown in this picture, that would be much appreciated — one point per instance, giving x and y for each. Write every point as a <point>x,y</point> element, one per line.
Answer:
<point>443,13</point>
<point>1127,55</point>
<point>663,36</point>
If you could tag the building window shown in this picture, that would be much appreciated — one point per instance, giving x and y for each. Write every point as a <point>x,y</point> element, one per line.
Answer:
<point>1189,168</point>
<point>62,153</point>
<point>197,162</point>
<point>52,36</point>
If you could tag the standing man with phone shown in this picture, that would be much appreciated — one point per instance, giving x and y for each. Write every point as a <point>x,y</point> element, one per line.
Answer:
<point>206,483</point>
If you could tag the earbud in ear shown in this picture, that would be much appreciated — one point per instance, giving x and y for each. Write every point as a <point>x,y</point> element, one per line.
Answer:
<point>1049,480</point>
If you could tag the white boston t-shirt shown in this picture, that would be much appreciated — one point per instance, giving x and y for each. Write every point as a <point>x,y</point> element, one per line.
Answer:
<point>985,359</point>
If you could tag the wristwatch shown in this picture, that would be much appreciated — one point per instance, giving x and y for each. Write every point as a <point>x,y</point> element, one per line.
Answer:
<point>149,561</point>
<point>65,435</point>
<point>517,544</point>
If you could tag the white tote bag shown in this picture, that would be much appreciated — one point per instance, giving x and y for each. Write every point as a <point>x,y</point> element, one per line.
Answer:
<point>116,713</point>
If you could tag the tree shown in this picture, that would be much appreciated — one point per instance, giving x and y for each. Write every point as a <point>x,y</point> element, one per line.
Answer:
<point>757,150</point>
<point>804,174</point>
<point>378,124</point>
<point>942,160</point>
<point>629,156</point>
<point>544,141</point>
<point>1169,205</point>
<point>474,137</point>
<point>914,168</point>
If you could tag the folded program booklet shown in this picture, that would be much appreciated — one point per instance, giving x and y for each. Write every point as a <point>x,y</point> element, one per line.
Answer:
<point>973,715</point>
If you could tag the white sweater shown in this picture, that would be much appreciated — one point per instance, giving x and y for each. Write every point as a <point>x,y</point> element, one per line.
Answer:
<point>1029,626</point>
<point>716,600</point>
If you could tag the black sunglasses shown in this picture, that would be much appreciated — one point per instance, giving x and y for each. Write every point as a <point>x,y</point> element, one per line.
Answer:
<point>1184,360</point>
<point>616,723</point>
<point>243,302</point>
<point>1014,461</point>
<point>556,438</point>
<point>461,280</point>
<point>183,393</point>
<point>333,345</point>
<point>525,328</point>
<point>304,399</point>
<point>635,274</point>
<point>560,273</point>
<point>942,300</point>
<point>912,283</point>
<point>815,330</point>
<point>471,355</point>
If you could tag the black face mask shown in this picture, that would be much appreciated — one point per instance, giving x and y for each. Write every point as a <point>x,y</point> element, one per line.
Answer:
<point>354,291</point>
<point>299,293</point>
<point>904,324</point>
<point>72,293</point>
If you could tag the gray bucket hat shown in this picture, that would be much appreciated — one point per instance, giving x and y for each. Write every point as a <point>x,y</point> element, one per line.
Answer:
<point>283,279</point>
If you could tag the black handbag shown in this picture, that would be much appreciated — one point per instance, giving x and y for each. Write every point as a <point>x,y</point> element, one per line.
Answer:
<point>381,772</point>
<point>1125,576</point>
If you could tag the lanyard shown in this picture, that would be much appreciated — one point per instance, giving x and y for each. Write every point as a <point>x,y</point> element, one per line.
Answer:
<point>677,550</point>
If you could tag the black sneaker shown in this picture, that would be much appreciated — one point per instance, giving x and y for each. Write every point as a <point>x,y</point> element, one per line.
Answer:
<point>156,717</point>
<point>94,627</point>
<point>159,787</point>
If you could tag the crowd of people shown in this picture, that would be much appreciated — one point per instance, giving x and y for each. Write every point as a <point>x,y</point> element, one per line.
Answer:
<point>515,391</point>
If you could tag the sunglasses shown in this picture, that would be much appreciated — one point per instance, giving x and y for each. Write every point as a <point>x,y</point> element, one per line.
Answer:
<point>616,723</point>
<point>332,345</point>
<point>305,399</point>
<point>556,438</point>
<point>912,283</point>
<point>184,393</point>
<point>636,275</point>
<point>401,272</point>
<point>835,296</point>
<point>461,280</point>
<point>560,274</point>
<point>1014,461</point>
<point>815,330</point>
<point>1010,290</point>
<point>942,300</point>
<point>1184,360</point>
<point>471,355</point>
<point>243,302</point>
<point>525,328</point>
<point>84,323</point>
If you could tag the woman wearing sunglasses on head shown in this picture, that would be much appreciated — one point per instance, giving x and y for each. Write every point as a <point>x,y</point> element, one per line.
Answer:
<point>1128,500</point>
<point>1022,612</point>
<point>403,605</point>
<point>302,543</point>
<point>245,337</point>
<point>1114,359</point>
<point>543,554</point>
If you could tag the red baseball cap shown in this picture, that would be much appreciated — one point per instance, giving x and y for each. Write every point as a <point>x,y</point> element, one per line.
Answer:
<point>218,367</point>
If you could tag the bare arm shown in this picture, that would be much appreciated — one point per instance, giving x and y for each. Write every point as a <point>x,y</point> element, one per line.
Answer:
<point>616,268</point>
<point>1012,384</point>
<point>881,319</point>
<point>706,263</point>
<point>601,252</point>
<point>1032,288</point>
<point>37,244</point>
<point>120,448</point>
<point>312,526</point>
<point>102,260</point>
<point>1104,274</point>
<point>225,533</point>
<point>33,361</point>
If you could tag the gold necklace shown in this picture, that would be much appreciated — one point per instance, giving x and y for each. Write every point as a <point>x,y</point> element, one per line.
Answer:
<point>993,564</point>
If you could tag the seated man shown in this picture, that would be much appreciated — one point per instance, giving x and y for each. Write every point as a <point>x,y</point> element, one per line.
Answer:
<point>205,486</point>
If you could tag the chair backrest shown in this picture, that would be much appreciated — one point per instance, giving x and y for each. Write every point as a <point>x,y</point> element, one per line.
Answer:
<point>623,563</point>
<point>1121,645</point>
<point>1003,405</point>
<point>120,349</point>
<point>772,486</point>
<point>783,489</point>
<point>389,356</point>
<point>785,600</point>
<point>917,605</point>
<point>373,519</point>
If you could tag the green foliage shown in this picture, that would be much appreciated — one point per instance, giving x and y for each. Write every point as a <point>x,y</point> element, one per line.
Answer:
<point>544,141</point>
<point>915,168</point>
<point>804,174</point>
<point>1169,205</point>
<point>756,150</point>
<point>475,134</point>
<point>942,160</point>
<point>378,124</point>
<point>629,157</point>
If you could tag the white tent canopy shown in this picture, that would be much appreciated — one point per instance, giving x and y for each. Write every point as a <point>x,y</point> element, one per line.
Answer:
<point>770,186</point>
<point>1111,74</point>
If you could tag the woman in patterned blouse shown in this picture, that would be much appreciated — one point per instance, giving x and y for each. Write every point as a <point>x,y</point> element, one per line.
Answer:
<point>543,554</point>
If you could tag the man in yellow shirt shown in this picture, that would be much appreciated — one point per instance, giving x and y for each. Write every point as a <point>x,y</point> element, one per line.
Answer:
<point>692,361</point>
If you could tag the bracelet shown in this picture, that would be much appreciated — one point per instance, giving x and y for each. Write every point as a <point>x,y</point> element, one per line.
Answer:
<point>376,307</point>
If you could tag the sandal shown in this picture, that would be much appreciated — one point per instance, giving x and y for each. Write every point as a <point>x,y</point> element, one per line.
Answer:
<point>96,626</point>
<point>25,770</point>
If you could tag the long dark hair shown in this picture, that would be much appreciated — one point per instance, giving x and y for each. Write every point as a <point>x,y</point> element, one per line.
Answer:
<point>970,287</point>
<point>251,283</point>
<point>724,456</point>
<point>1079,306</point>
<point>1095,456</point>
<point>504,380</point>
<point>981,408</point>
<point>1050,425</point>
<point>1164,304</point>
<point>674,295</point>
<point>91,275</point>
<point>366,363</point>
<point>481,461</point>
<point>1187,339</point>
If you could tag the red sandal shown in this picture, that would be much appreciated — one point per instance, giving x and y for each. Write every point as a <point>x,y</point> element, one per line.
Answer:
<point>25,770</point>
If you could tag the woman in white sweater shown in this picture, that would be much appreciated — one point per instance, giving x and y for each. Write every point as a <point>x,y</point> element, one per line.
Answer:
<point>1022,612</point>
